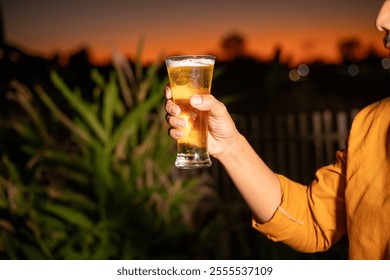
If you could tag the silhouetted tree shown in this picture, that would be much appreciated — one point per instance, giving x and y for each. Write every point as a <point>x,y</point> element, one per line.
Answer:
<point>78,70</point>
<point>233,45</point>
<point>349,49</point>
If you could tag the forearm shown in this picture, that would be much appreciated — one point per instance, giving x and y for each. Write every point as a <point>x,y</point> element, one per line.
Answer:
<point>258,185</point>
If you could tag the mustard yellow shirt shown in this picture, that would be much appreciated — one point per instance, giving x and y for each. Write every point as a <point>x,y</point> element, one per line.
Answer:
<point>351,196</point>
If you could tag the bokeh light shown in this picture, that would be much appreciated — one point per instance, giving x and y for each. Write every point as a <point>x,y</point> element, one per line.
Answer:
<point>353,70</point>
<point>294,75</point>
<point>386,63</point>
<point>303,70</point>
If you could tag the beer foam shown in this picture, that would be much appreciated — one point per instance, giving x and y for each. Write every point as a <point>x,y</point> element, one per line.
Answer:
<point>177,61</point>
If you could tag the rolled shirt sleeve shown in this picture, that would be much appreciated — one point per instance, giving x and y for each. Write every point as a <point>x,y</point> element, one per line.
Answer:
<point>310,218</point>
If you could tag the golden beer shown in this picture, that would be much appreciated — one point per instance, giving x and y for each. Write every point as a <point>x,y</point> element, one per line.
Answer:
<point>189,75</point>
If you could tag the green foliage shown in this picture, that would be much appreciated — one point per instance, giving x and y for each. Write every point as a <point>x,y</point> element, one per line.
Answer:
<point>94,178</point>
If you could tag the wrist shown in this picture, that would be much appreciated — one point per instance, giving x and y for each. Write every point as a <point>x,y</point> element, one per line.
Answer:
<point>232,149</point>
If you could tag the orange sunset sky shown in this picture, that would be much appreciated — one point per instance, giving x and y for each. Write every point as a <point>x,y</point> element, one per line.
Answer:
<point>305,29</point>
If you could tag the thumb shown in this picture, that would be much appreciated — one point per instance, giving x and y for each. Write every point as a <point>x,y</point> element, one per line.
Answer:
<point>203,102</point>
<point>208,103</point>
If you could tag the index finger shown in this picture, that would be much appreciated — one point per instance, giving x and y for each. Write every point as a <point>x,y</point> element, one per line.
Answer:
<point>168,92</point>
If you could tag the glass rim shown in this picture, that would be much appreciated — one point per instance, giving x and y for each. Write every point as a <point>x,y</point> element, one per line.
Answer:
<point>189,56</point>
<point>189,60</point>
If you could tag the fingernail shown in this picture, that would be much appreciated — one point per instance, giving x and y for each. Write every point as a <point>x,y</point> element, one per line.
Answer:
<point>180,123</point>
<point>196,100</point>
<point>179,133</point>
<point>174,111</point>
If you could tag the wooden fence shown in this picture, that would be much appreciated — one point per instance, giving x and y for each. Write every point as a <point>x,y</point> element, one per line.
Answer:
<point>293,144</point>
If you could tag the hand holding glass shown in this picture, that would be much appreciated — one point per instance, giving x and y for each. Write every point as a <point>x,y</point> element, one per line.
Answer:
<point>189,75</point>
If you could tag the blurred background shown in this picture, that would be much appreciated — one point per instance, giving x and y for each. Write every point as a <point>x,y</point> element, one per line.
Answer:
<point>86,166</point>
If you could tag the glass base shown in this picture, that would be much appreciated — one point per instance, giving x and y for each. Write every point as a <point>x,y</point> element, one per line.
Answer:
<point>185,161</point>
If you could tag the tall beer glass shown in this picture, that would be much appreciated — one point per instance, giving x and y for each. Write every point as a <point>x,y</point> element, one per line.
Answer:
<point>189,75</point>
